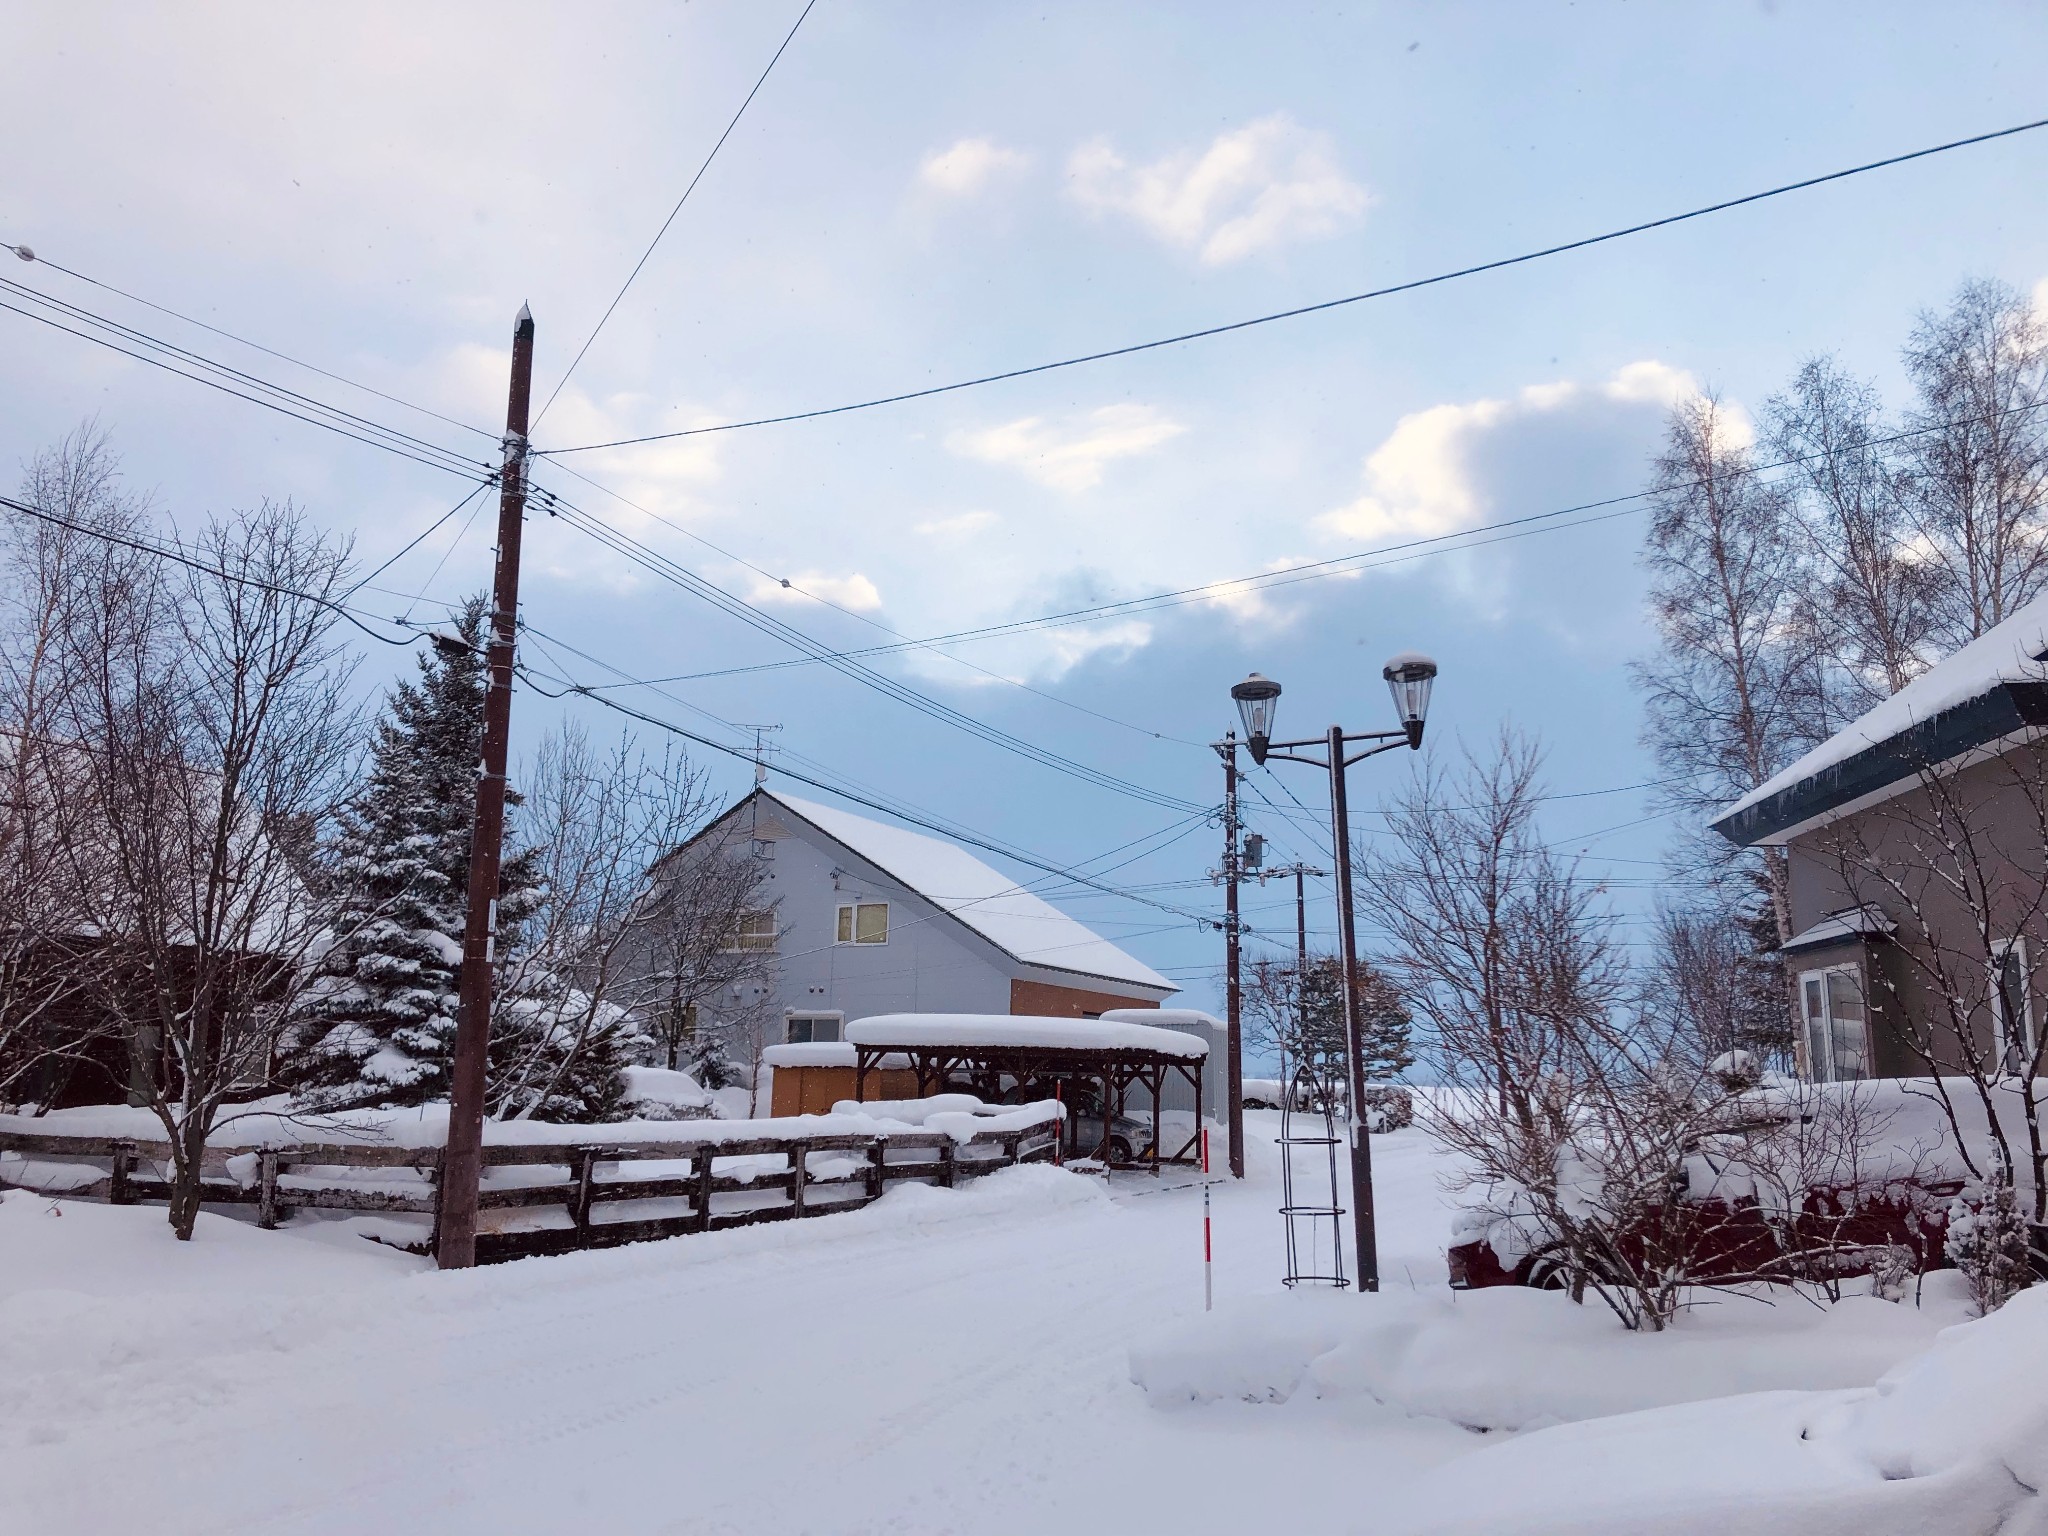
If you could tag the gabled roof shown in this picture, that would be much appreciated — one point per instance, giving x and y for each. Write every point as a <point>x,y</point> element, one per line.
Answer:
<point>1022,925</point>
<point>1994,688</point>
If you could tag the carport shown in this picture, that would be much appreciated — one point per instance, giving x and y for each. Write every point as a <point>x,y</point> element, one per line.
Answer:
<point>1020,1057</point>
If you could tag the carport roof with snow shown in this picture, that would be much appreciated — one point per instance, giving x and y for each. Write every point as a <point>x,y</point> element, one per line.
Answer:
<point>970,1032</point>
<point>1024,1055</point>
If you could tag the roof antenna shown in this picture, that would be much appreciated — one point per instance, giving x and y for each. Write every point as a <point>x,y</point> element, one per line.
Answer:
<point>761,749</point>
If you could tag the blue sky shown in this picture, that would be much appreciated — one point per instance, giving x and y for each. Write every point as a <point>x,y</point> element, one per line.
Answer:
<point>921,193</point>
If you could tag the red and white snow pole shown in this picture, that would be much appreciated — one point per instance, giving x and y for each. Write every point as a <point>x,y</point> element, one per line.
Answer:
<point>1208,1248</point>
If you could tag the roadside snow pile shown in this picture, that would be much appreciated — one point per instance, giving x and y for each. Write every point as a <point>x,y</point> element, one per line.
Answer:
<point>1513,1358</point>
<point>1955,1441</point>
<point>961,1116</point>
<point>271,1123</point>
<point>656,1093</point>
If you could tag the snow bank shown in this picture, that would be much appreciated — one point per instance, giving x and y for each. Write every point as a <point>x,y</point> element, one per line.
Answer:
<point>81,1249</point>
<point>427,1126</point>
<point>1954,1439</point>
<point>1013,1029</point>
<point>959,1115</point>
<point>1512,1358</point>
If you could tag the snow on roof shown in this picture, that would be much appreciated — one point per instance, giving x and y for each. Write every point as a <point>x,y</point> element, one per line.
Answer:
<point>989,902</point>
<point>906,1030</point>
<point>1849,923</point>
<point>2006,653</point>
<point>1167,1018</point>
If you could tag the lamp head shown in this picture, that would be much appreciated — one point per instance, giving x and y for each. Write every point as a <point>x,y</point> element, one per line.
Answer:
<point>1409,678</point>
<point>1258,698</point>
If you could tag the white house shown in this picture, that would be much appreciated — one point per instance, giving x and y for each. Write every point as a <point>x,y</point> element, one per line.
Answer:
<point>867,918</point>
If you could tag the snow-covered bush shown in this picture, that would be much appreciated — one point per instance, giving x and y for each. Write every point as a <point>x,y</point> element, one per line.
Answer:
<point>1388,1107</point>
<point>1988,1240</point>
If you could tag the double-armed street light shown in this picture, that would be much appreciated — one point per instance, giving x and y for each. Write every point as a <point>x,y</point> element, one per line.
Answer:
<point>1409,676</point>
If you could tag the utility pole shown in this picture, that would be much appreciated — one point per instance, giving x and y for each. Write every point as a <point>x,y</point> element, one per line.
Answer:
<point>462,1160</point>
<point>1233,981</point>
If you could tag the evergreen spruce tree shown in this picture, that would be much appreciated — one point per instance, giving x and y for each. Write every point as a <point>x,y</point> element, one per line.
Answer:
<point>1318,1032</point>
<point>381,1031</point>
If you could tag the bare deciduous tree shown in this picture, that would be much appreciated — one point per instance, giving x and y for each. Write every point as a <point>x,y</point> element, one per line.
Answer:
<point>1733,693</point>
<point>1710,972</point>
<point>208,706</point>
<point>47,955</point>
<point>701,975</point>
<point>597,821</point>
<point>1978,477</point>
<point>1869,603</point>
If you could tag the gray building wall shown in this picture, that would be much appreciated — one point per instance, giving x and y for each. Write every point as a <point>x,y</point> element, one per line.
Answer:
<point>930,964</point>
<point>1905,834</point>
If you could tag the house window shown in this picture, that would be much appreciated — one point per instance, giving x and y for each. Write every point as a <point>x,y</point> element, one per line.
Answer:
<point>1837,1043</point>
<point>756,930</point>
<point>2012,1006</point>
<point>811,1028</point>
<point>764,847</point>
<point>864,922</point>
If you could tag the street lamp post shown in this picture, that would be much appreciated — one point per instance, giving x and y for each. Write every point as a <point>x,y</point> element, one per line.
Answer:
<point>1409,678</point>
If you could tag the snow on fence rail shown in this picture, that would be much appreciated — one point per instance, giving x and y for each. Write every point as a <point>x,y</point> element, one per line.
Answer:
<point>613,1192</point>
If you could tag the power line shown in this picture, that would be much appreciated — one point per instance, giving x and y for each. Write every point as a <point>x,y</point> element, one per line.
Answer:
<point>135,298</point>
<point>1378,558</point>
<point>420,539</point>
<point>698,586</point>
<point>715,148</point>
<point>181,557</point>
<point>1329,304</point>
<point>449,463</point>
<point>569,686</point>
<point>904,642</point>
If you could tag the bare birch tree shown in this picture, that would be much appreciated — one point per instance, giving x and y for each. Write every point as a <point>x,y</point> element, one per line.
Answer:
<point>1732,695</point>
<point>1978,472</point>
<point>1869,601</point>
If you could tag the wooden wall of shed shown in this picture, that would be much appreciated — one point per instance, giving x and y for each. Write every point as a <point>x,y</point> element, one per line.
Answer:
<point>1044,1000</point>
<point>814,1090</point>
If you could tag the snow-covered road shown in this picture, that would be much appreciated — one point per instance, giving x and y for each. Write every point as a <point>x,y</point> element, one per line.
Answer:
<point>963,1361</point>
<point>946,1361</point>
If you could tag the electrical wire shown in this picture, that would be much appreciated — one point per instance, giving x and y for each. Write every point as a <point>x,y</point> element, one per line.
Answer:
<point>536,680</point>
<point>1330,304</point>
<point>135,298</point>
<point>903,642</point>
<point>132,334</point>
<point>420,539</point>
<point>184,558</point>
<point>715,148</point>
<point>458,467</point>
<point>689,581</point>
<point>1507,529</point>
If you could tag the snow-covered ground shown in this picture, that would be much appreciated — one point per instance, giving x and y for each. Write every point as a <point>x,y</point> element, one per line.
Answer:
<point>1027,1353</point>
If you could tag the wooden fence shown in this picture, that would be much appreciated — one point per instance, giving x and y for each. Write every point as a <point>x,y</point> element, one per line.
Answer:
<point>606,1194</point>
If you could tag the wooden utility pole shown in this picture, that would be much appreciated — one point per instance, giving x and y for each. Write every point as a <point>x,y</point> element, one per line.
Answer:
<point>462,1161</point>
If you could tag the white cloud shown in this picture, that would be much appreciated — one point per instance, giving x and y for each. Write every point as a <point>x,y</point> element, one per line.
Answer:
<point>1420,482</point>
<point>1070,455</point>
<point>969,166</point>
<point>1259,187</point>
<point>853,591</point>
<point>960,526</point>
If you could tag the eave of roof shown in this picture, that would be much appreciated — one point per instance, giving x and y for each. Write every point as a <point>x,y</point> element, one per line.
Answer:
<point>2006,709</point>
